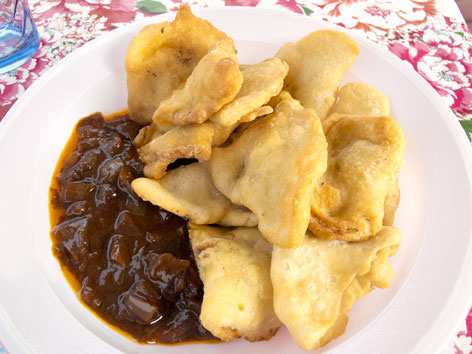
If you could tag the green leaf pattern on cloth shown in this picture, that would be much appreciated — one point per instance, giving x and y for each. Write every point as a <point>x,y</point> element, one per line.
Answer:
<point>151,6</point>
<point>307,11</point>
<point>467,125</point>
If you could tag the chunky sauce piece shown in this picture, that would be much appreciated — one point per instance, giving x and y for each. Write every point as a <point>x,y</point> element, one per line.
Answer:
<point>132,261</point>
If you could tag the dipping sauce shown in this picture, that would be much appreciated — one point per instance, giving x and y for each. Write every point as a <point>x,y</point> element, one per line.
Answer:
<point>130,262</point>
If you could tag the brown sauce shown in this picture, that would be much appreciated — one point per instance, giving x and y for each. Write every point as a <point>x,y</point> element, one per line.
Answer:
<point>129,261</point>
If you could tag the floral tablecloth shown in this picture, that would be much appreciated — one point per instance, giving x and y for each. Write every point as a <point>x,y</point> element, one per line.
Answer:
<point>431,35</point>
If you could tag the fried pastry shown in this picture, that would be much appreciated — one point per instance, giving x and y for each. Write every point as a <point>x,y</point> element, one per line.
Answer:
<point>158,146</point>
<point>161,58</point>
<point>260,82</point>
<point>222,132</point>
<point>285,98</point>
<point>392,199</point>
<point>361,99</point>
<point>150,132</point>
<point>188,141</point>
<point>316,284</point>
<point>357,98</point>
<point>234,266</point>
<point>214,82</point>
<point>238,215</point>
<point>317,64</point>
<point>365,154</point>
<point>188,191</point>
<point>271,168</point>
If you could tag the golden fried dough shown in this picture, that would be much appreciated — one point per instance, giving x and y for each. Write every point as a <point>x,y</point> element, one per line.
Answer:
<point>161,58</point>
<point>238,215</point>
<point>271,169</point>
<point>285,98</point>
<point>260,82</point>
<point>317,64</point>
<point>150,132</point>
<point>361,99</point>
<point>189,141</point>
<point>392,199</point>
<point>214,82</point>
<point>287,102</point>
<point>188,191</point>
<point>231,132</point>
<point>222,132</point>
<point>316,284</point>
<point>234,266</point>
<point>158,146</point>
<point>365,154</point>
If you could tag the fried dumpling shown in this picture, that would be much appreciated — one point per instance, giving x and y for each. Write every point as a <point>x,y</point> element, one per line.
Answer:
<point>260,82</point>
<point>361,99</point>
<point>234,265</point>
<point>317,64</point>
<point>392,199</point>
<point>285,98</point>
<point>158,146</point>
<point>357,98</point>
<point>285,101</point>
<point>316,284</point>
<point>214,82</point>
<point>222,132</point>
<point>161,58</point>
<point>271,168</point>
<point>188,141</point>
<point>188,191</point>
<point>365,154</point>
<point>238,215</point>
<point>150,132</point>
<point>238,128</point>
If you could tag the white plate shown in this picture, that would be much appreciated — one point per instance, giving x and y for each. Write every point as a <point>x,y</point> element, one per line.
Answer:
<point>39,313</point>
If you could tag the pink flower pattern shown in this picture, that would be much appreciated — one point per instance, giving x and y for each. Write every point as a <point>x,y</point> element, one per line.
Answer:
<point>377,11</point>
<point>442,60</point>
<point>439,48</point>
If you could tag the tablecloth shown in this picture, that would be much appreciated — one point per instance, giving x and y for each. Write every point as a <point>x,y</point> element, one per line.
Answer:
<point>431,35</point>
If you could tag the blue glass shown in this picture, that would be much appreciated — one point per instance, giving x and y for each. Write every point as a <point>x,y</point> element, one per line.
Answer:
<point>19,38</point>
